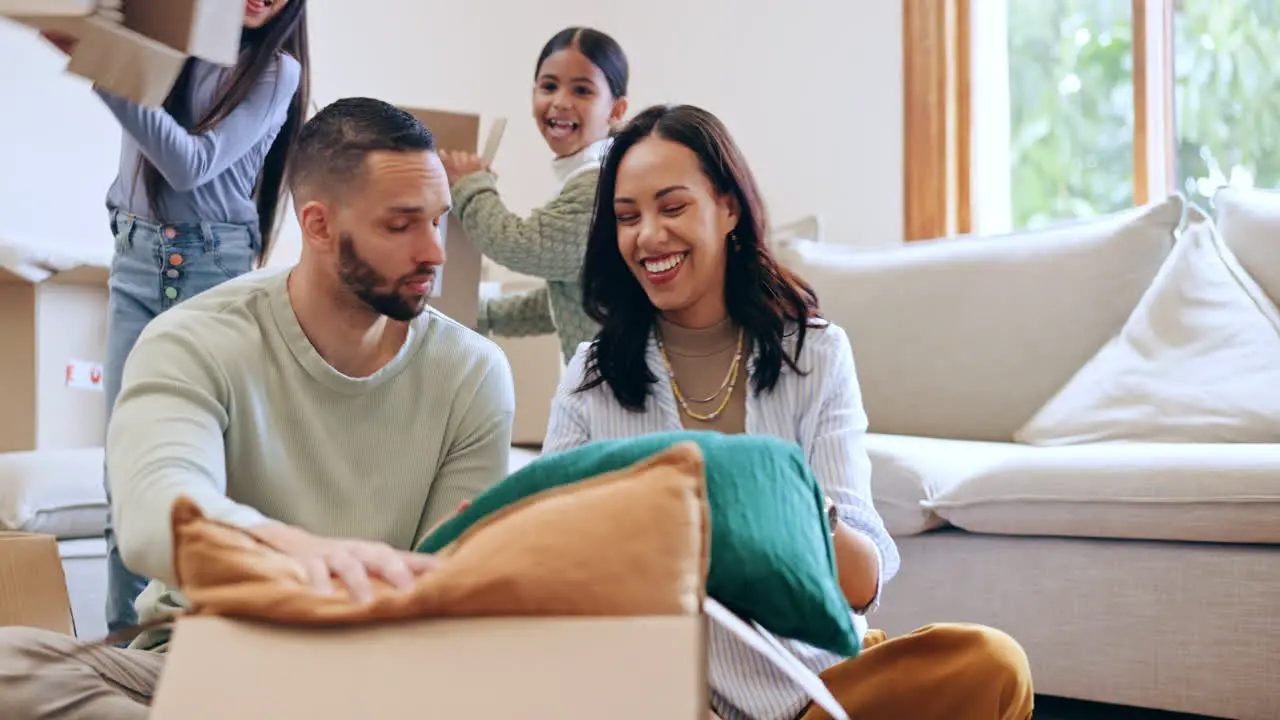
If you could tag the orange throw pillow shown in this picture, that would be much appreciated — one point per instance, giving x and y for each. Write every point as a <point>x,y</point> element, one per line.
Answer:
<point>626,543</point>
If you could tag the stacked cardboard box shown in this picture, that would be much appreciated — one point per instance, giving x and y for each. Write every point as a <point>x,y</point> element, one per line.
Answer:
<point>33,588</point>
<point>137,49</point>
<point>53,315</point>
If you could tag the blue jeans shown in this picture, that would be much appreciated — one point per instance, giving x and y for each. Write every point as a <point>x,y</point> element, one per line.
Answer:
<point>156,267</point>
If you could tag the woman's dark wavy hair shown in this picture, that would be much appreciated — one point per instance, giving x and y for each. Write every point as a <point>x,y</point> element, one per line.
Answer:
<point>763,298</point>
<point>287,33</point>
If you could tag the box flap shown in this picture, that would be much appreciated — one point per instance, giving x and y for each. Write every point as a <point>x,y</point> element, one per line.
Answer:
<point>51,8</point>
<point>638,668</point>
<point>23,263</point>
<point>72,25</point>
<point>33,588</point>
<point>125,63</point>
<point>207,29</point>
<point>453,130</point>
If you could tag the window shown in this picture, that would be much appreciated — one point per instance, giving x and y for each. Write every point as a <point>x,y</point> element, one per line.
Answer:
<point>1023,113</point>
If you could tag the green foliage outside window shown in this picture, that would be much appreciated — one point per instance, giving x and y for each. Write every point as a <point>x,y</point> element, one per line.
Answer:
<point>1071,91</point>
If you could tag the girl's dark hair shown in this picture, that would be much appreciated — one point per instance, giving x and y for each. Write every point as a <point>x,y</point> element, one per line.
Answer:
<point>763,298</point>
<point>286,32</point>
<point>603,51</point>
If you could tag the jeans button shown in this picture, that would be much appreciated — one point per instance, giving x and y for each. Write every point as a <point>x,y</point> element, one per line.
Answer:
<point>175,260</point>
<point>171,292</point>
<point>171,273</point>
<point>170,233</point>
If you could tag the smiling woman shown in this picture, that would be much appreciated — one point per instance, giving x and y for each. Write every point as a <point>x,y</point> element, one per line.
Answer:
<point>703,330</point>
<point>678,237</point>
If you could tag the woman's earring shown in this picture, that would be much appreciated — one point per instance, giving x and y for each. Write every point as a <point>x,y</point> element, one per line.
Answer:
<point>733,241</point>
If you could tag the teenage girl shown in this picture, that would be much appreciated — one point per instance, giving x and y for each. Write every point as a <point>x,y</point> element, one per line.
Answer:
<point>580,93</point>
<point>198,194</point>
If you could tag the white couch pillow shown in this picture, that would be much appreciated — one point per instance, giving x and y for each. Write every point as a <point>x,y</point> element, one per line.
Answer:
<point>1197,361</point>
<point>1249,222</point>
<point>966,338</point>
<point>57,492</point>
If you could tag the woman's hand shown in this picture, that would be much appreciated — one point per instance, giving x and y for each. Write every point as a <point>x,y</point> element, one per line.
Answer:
<point>459,164</point>
<point>66,43</point>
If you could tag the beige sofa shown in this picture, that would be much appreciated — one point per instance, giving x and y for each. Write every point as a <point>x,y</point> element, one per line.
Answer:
<point>1135,572</point>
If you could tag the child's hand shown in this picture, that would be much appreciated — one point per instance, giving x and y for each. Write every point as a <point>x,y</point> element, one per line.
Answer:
<point>459,164</point>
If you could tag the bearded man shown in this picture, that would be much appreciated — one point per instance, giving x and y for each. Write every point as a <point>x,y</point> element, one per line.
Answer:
<point>323,407</point>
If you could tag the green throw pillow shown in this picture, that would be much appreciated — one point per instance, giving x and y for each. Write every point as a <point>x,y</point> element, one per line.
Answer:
<point>772,560</point>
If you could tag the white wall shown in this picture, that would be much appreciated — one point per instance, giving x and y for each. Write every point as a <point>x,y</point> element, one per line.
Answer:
<point>59,149</point>
<point>812,89</point>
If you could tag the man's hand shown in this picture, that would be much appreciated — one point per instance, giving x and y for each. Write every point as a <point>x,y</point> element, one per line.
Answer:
<point>62,41</point>
<point>459,164</point>
<point>353,561</point>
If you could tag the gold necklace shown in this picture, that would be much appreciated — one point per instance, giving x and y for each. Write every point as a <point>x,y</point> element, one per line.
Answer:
<point>730,381</point>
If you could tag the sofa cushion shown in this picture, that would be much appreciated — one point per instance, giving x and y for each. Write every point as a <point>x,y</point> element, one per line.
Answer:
<point>907,470</point>
<point>967,338</point>
<point>56,492</point>
<point>1156,491</point>
<point>1197,361</point>
<point>1249,221</point>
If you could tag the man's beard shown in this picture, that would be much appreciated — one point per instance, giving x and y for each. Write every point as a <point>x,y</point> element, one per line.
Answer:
<point>363,282</point>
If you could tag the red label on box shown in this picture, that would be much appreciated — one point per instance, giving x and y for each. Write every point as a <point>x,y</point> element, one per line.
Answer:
<point>84,375</point>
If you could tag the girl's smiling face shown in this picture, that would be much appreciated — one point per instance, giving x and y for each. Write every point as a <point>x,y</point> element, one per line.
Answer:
<point>572,103</point>
<point>260,12</point>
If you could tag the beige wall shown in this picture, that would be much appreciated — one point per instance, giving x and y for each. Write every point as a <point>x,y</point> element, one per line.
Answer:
<point>811,88</point>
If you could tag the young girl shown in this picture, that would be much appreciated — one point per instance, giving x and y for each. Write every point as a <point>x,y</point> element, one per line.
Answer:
<point>579,94</point>
<point>702,329</point>
<point>198,194</point>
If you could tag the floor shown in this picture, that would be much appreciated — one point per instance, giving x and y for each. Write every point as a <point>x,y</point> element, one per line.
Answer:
<point>1050,708</point>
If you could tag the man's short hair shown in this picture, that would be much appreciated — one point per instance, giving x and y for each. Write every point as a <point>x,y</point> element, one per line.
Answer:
<point>330,150</point>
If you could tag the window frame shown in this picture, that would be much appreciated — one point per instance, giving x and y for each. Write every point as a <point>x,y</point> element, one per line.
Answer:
<point>938,187</point>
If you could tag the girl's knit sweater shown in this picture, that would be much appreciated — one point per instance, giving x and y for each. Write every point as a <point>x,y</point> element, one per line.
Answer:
<point>549,244</point>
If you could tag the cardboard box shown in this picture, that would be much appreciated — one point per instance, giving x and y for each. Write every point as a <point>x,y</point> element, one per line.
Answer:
<point>457,287</point>
<point>53,318</point>
<point>124,63</point>
<point>584,668</point>
<point>207,29</point>
<point>535,668</point>
<point>33,589</point>
<point>141,58</point>
<point>70,8</point>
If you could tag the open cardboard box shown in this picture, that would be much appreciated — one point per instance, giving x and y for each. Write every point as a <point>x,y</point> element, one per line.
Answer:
<point>622,668</point>
<point>141,56</point>
<point>53,318</point>
<point>456,292</point>
<point>33,588</point>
